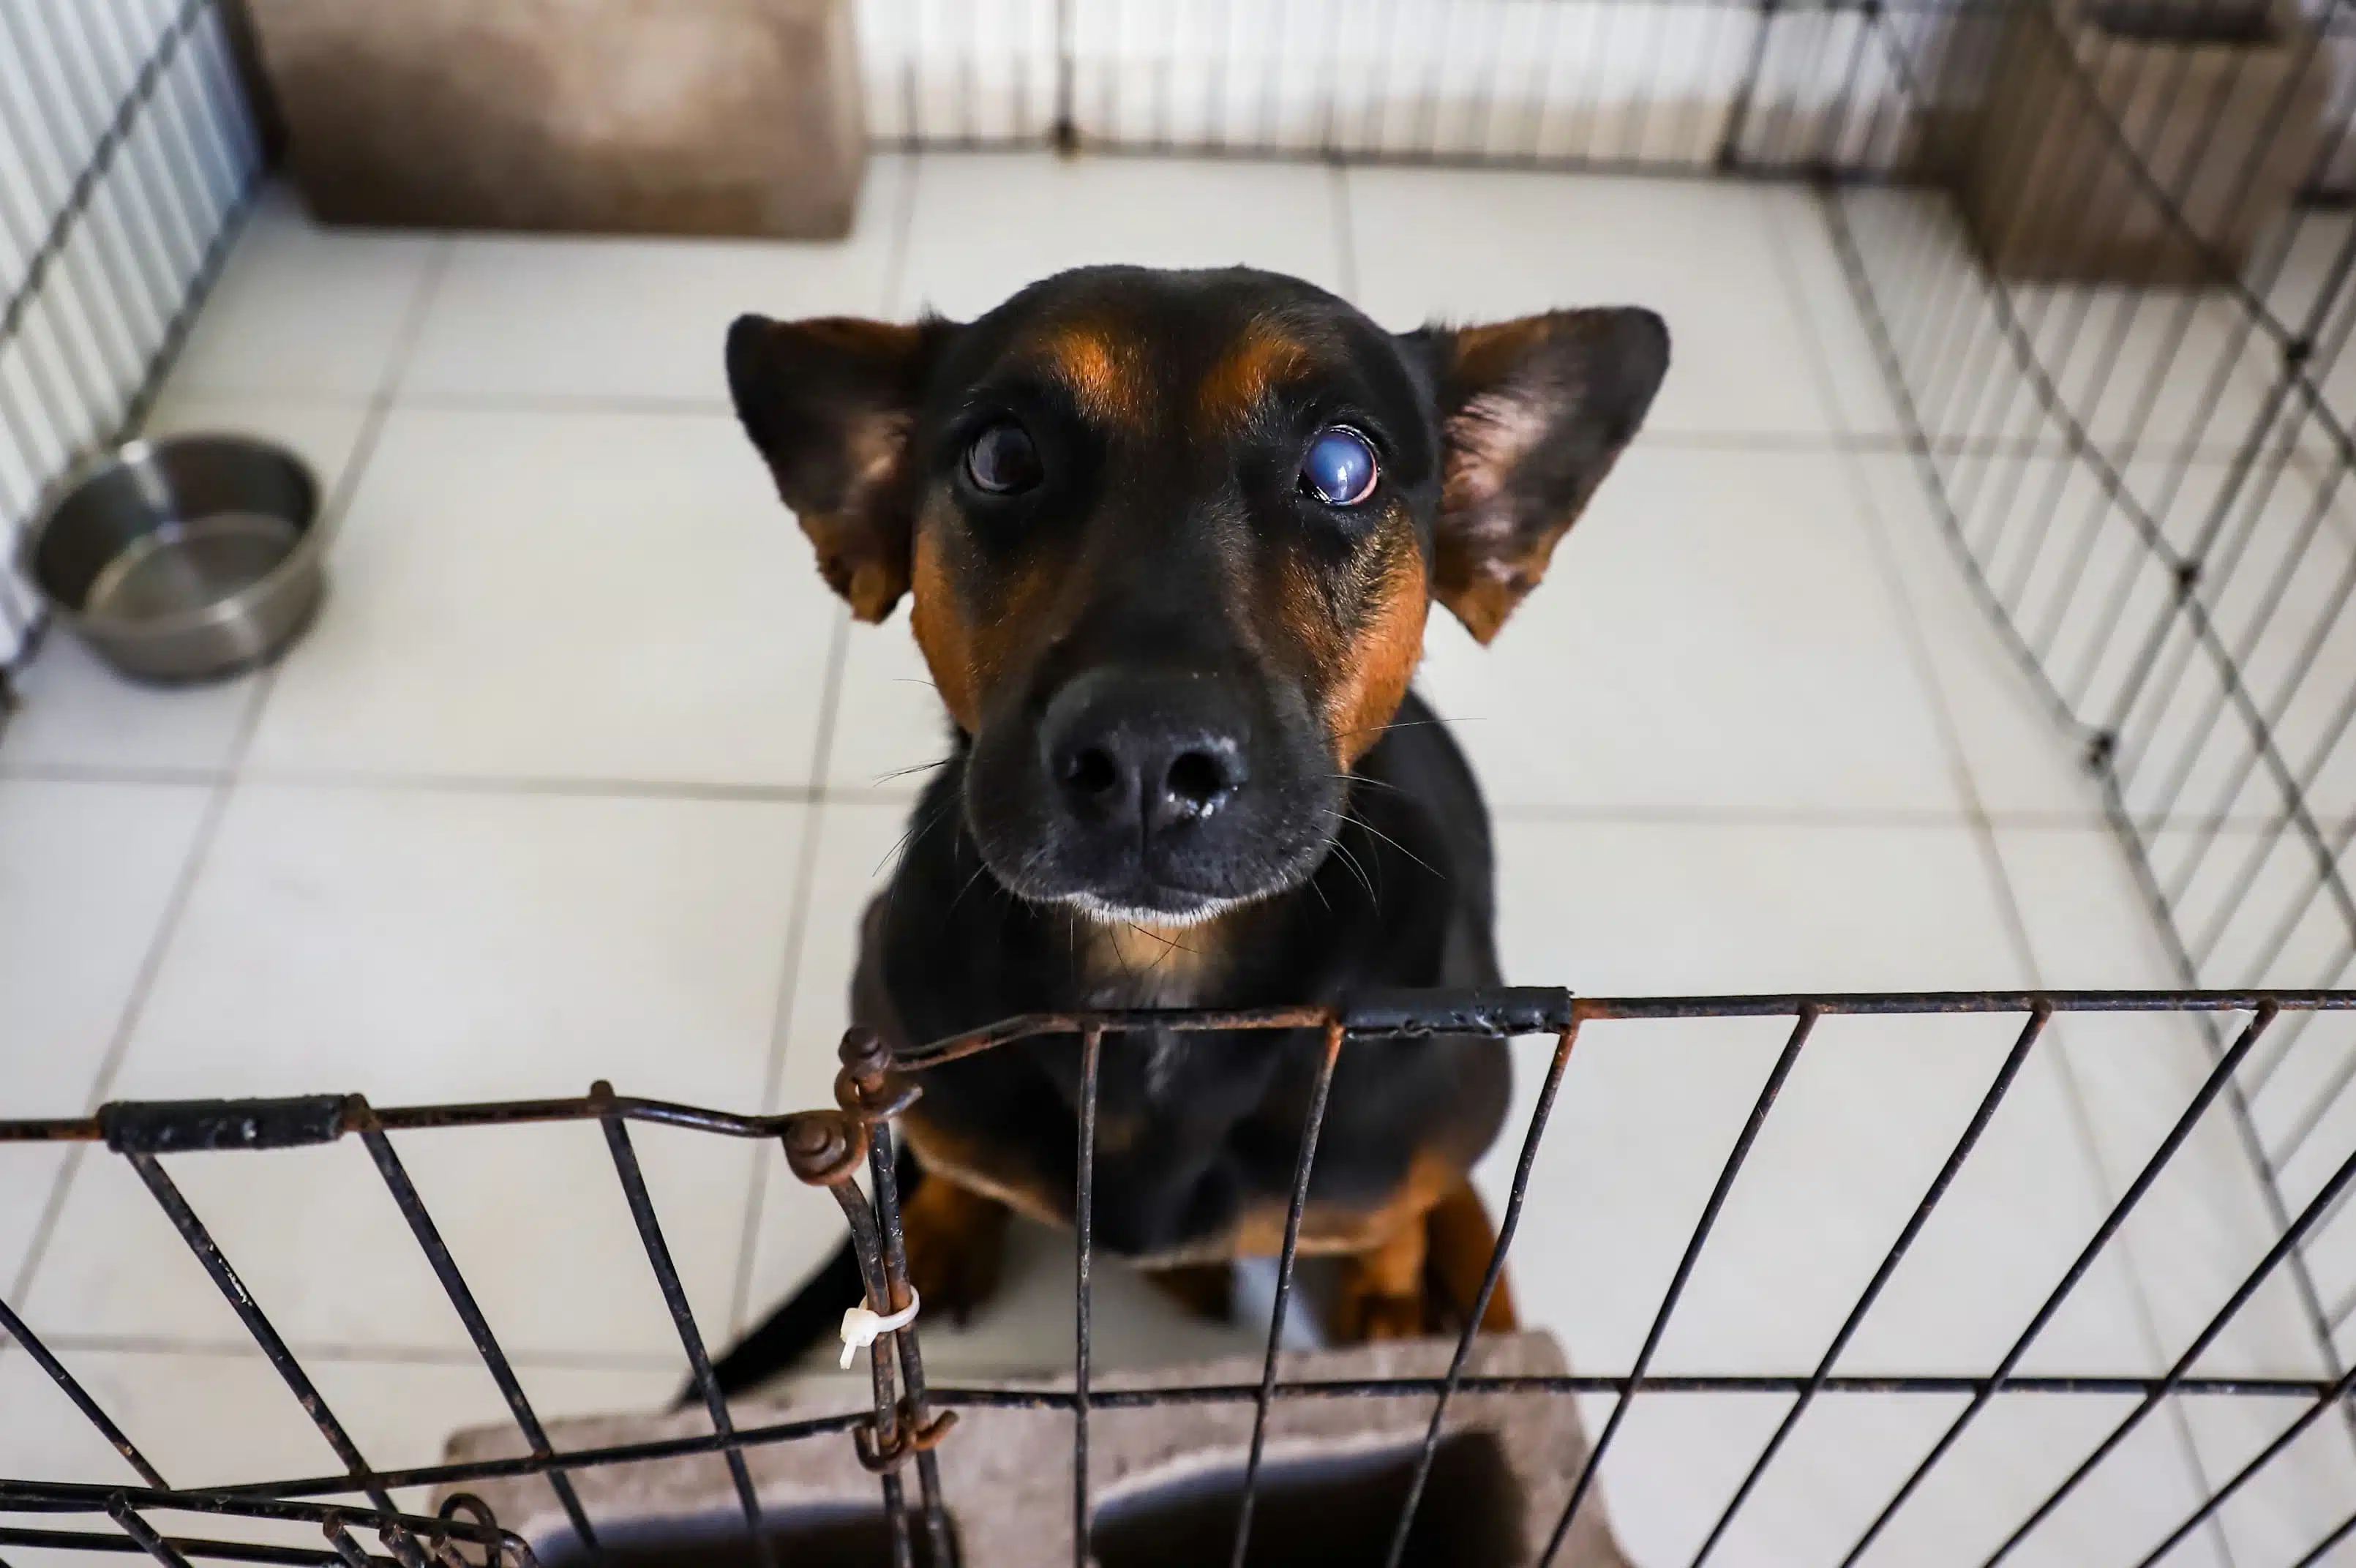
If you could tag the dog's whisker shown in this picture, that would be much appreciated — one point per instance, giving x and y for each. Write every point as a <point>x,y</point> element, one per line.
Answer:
<point>1338,817</point>
<point>899,850</point>
<point>1392,841</point>
<point>1369,783</point>
<point>1351,862</point>
<point>964,890</point>
<point>912,767</point>
<point>1170,944</point>
<point>1404,724</point>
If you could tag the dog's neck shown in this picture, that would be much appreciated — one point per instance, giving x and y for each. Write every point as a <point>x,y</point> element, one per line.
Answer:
<point>1127,963</point>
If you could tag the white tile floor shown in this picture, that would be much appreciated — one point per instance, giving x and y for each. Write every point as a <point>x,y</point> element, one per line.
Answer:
<point>582,774</point>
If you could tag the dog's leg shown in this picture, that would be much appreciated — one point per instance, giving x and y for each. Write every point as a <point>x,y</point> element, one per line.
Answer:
<point>1381,1292</point>
<point>1459,1240</point>
<point>1205,1290</point>
<point>956,1238</point>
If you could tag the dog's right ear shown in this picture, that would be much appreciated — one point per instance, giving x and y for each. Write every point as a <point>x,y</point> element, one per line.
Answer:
<point>830,403</point>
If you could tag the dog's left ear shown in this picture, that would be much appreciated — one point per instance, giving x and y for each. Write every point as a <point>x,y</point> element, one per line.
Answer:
<point>1532,413</point>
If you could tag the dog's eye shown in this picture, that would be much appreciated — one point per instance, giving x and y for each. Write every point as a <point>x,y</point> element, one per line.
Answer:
<point>1339,467</point>
<point>1001,461</point>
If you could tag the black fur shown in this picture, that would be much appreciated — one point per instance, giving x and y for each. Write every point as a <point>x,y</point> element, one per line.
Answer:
<point>1405,899</point>
<point>1164,652</point>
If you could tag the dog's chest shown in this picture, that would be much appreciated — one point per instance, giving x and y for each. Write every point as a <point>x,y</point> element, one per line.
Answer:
<point>1131,966</point>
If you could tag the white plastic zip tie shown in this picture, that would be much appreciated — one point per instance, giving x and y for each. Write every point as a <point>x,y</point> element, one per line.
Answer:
<point>862,1325</point>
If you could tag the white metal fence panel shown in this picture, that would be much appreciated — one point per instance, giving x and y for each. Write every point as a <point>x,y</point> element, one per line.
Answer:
<point>126,156</point>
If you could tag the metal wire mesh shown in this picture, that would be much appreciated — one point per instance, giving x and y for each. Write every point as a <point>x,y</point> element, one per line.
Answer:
<point>909,1422</point>
<point>2144,480</point>
<point>2141,479</point>
<point>127,160</point>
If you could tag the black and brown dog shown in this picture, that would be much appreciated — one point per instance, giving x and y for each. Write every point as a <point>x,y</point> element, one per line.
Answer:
<point>1171,539</point>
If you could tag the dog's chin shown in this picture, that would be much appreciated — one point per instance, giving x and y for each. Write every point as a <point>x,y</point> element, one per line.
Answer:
<point>1171,913</point>
<point>1140,898</point>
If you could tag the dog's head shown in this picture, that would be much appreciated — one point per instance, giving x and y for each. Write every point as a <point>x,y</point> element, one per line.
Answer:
<point>1171,539</point>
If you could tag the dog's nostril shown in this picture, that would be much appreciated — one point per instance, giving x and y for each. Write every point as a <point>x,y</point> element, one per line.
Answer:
<point>1197,780</point>
<point>1091,771</point>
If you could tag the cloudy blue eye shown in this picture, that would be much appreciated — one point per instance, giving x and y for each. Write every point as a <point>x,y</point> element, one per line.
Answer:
<point>1339,467</point>
<point>1001,460</point>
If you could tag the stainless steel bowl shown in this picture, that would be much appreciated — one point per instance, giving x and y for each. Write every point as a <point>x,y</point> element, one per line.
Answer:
<point>184,558</point>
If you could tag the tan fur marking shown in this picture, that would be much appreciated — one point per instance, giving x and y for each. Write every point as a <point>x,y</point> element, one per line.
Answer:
<point>1105,372</point>
<point>1261,359</point>
<point>968,656</point>
<point>956,1240</point>
<point>1460,1239</point>
<point>1146,965</point>
<point>1380,1295</point>
<point>1376,668</point>
<point>1327,1230</point>
<point>943,636</point>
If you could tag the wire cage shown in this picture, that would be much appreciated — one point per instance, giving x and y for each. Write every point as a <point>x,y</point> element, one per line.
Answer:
<point>128,161</point>
<point>2140,478</point>
<point>2143,479</point>
<point>909,1424</point>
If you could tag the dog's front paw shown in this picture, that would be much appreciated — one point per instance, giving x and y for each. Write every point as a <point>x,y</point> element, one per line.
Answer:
<point>956,1240</point>
<point>1363,1313</point>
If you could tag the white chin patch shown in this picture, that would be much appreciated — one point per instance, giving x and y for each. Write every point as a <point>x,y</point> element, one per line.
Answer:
<point>1109,914</point>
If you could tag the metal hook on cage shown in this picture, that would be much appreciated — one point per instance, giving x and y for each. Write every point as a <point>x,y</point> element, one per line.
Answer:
<point>828,1149</point>
<point>478,1513</point>
<point>910,1434</point>
<point>499,1541</point>
<point>869,1087</point>
<point>825,1149</point>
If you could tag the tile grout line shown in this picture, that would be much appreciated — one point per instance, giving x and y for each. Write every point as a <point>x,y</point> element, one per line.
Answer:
<point>895,269</point>
<point>781,1019</point>
<point>561,404</point>
<point>225,785</point>
<point>303,778</point>
<point>1878,542</point>
<point>358,1353</point>
<point>166,775</point>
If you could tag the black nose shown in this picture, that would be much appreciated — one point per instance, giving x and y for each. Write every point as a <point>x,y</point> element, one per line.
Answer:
<point>1142,754</point>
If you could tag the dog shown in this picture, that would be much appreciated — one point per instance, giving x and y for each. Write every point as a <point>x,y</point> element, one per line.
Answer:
<point>1170,539</point>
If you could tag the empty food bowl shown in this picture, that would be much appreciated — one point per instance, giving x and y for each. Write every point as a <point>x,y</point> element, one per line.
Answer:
<point>183,558</point>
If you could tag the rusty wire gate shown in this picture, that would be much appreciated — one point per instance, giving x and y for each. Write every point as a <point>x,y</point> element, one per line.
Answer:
<point>910,1420</point>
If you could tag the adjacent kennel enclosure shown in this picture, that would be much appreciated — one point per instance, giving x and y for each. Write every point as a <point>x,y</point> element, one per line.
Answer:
<point>2103,256</point>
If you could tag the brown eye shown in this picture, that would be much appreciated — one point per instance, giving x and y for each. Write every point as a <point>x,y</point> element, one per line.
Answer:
<point>1001,461</point>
